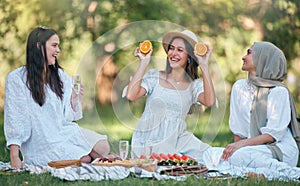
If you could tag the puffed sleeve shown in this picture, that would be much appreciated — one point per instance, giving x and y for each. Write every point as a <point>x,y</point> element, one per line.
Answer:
<point>69,113</point>
<point>197,89</point>
<point>239,110</point>
<point>149,80</point>
<point>278,113</point>
<point>17,126</point>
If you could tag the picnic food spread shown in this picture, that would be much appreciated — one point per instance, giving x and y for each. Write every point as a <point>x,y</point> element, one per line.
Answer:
<point>172,159</point>
<point>200,49</point>
<point>170,164</point>
<point>145,46</point>
<point>147,164</point>
<point>177,165</point>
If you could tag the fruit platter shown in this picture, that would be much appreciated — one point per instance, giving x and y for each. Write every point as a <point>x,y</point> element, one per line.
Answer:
<point>169,164</point>
<point>177,165</point>
<point>172,159</point>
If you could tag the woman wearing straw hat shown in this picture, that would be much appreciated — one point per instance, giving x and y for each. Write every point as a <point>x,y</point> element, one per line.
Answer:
<point>171,95</point>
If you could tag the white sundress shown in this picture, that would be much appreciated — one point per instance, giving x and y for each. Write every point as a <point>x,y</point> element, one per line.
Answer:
<point>162,124</point>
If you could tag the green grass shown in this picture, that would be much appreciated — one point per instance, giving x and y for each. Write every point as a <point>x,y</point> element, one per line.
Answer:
<point>119,131</point>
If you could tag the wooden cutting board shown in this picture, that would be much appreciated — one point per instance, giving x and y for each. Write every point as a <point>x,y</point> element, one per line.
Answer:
<point>64,163</point>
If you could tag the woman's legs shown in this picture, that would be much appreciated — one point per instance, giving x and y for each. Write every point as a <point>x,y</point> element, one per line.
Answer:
<point>259,159</point>
<point>100,149</point>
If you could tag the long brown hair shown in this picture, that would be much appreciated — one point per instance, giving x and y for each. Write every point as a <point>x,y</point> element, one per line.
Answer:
<point>190,69</point>
<point>39,73</point>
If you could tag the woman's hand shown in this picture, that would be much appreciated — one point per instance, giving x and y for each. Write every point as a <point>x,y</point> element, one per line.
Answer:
<point>231,148</point>
<point>15,160</point>
<point>203,60</point>
<point>240,142</point>
<point>76,98</point>
<point>16,163</point>
<point>145,58</point>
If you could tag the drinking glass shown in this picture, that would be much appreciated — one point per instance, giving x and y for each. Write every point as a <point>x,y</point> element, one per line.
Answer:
<point>148,146</point>
<point>76,83</point>
<point>123,149</point>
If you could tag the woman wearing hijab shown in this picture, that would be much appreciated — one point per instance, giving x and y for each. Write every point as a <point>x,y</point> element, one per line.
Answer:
<point>261,110</point>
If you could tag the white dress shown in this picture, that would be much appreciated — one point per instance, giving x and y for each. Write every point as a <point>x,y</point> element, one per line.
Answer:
<point>162,124</point>
<point>44,133</point>
<point>258,158</point>
<point>278,118</point>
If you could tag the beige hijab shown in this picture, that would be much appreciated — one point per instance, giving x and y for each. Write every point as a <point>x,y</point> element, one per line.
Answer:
<point>271,70</point>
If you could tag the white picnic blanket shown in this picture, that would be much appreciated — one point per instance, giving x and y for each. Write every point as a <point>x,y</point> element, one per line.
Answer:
<point>94,173</point>
<point>98,173</point>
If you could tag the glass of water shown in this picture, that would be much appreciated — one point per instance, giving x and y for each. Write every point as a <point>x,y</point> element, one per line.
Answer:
<point>76,83</point>
<point>123,149</point>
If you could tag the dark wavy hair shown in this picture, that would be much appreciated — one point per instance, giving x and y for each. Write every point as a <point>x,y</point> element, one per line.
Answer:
<point>39,73</point>
<point>191,67</point>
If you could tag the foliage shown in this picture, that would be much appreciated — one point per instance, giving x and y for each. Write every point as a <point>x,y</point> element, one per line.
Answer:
<point>281,25</point>
<point>228,26</point>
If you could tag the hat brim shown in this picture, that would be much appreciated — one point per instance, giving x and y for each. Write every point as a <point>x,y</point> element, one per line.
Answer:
<point>170,35</point>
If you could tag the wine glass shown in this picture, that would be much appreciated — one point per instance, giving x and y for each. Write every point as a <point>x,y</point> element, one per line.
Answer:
<point>76,83</point>
<point>123,149</point>
<point>148,146</point>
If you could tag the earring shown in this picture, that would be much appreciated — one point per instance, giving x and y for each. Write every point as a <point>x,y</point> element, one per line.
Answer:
<point>189,60</point>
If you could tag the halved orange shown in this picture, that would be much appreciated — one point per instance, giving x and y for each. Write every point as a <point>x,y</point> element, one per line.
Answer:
<point>145,46</point>
<point>200,49</point>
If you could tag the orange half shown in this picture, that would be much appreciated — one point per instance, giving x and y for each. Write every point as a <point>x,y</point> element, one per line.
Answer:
<point>200,49</point>
<point>145,46</point>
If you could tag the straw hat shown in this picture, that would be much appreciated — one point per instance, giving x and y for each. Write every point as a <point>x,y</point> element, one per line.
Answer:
<point>186,34</point>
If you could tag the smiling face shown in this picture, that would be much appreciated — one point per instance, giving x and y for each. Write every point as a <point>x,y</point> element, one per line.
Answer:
<point>52,49</point>
<point>177,54</point>
<point>248,64</point>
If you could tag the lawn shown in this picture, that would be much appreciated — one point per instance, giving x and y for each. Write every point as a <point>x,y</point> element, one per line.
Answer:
<point>119,131</point>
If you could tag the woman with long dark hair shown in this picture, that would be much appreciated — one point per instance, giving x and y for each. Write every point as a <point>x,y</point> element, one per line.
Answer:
<point>171,95</point>
<point>40,107</point>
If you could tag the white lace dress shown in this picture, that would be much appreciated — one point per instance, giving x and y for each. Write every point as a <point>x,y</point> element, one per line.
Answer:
<point>44,133</point>
<point>162,125</point>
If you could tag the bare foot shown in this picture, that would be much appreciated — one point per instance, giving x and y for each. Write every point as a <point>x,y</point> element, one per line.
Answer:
<point>255,175</point>
<point>86,159</point>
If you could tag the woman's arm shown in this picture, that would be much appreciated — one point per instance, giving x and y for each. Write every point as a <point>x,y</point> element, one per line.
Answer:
<point>258,140</point>
<point>72,108</point>
<point>135,90</point>
<point>237,138</point>
<point>208,97</point>
<point>17,125</point>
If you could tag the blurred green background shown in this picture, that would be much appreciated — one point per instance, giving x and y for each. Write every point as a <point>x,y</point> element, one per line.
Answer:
<point>103,28</point>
